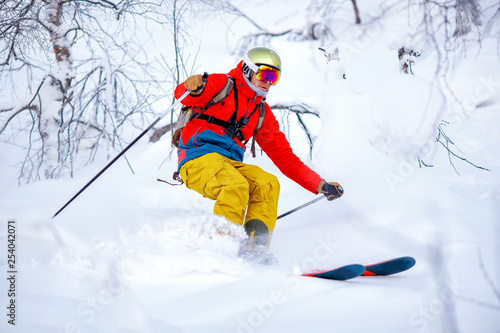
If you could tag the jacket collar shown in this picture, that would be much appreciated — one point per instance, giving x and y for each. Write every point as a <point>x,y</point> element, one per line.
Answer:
<point>241,85</point>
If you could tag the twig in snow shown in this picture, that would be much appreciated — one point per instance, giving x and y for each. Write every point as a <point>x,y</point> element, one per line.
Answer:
<point>445,144</point>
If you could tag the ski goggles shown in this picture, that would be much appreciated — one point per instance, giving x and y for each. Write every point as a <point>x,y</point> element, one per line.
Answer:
<point>268,74</point>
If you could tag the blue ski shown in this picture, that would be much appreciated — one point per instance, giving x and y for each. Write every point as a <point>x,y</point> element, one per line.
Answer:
<point>388,267</point>
<point>341,273</point>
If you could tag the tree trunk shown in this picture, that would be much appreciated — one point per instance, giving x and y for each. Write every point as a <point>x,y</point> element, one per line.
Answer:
<point>52,108</point>
<point>59,41</point>
<point>356,11</point>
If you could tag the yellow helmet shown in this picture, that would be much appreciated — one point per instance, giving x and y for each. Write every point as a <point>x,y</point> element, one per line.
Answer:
<point>262,56</point>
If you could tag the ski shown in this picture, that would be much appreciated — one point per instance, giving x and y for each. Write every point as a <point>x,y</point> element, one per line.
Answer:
<point>389,267</point>
<point>342,273</point>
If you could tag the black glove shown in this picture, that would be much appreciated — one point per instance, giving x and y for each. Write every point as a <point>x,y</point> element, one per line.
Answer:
<point>331,190</point>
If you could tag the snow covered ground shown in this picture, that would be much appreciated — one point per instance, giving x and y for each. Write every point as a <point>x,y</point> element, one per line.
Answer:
<point>135,255</point>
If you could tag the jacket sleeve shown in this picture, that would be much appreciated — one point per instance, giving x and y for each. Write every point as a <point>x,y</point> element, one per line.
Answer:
<point>215,83</point>
<point>274,143</point>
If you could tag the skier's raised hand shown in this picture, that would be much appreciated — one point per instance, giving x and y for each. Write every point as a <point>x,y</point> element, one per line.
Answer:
<point>195,84</point>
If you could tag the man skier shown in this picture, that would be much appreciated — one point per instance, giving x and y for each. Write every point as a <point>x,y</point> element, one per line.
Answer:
<point>212,144</point>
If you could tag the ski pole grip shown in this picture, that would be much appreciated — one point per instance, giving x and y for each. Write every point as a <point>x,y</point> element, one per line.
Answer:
<point>340,189</point>
<point>203,84</point>
<point>332,191</point>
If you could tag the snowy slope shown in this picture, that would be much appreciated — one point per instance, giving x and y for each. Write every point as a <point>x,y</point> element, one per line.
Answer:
<point>135,255</point>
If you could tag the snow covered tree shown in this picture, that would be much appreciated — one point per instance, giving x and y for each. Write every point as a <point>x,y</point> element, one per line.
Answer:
<point>76,74</point>
<point>407,59</point>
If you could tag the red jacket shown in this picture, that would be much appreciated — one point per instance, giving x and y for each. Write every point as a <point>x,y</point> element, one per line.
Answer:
<point>200,137</point>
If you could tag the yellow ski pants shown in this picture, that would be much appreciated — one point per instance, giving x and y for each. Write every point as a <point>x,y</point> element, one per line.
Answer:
<point>236,188</point>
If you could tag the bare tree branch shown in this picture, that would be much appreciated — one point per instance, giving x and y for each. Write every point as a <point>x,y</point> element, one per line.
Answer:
<point>300,110</point>
<point>446,145</point>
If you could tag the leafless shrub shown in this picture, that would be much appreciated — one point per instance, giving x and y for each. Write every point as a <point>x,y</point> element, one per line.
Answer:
<point>87,79</point>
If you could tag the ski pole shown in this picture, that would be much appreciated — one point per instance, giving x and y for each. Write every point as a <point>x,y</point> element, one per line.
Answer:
<point>300,207</point>
<point>123,151</point>
<point>329,196</point>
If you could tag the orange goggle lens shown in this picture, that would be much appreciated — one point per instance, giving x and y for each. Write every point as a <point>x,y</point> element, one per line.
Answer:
<point>268,74</point>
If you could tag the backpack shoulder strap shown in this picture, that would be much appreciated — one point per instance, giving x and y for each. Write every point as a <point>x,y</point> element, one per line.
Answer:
<point>218,98</point>
<point>262,114</point>
<point>221,95</point>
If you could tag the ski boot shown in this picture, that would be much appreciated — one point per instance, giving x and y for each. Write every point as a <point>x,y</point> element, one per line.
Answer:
<point>254,248</point>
